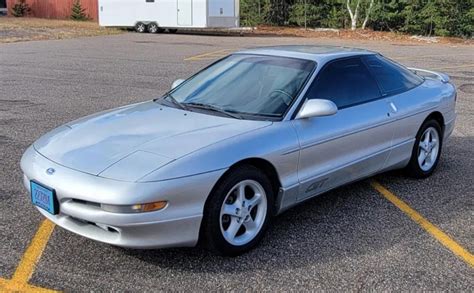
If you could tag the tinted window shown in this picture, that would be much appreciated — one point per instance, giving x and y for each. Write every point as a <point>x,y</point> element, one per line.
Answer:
<point>345,82</point>
<point>392,77</point>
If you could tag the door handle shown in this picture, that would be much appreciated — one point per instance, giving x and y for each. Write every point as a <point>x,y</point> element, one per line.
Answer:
<point>393,107</point>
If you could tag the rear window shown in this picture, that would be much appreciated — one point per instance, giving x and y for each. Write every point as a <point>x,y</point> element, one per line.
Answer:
<point>391,77</point>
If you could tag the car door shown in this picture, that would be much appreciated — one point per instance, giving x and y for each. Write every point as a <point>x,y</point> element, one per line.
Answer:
<point>409,104</point>
<point>353,143</point>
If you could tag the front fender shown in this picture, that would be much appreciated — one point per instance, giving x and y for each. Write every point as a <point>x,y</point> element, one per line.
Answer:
<point>277,144</point>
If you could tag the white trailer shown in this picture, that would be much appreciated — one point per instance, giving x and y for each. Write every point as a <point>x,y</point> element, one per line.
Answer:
<point>157,15</point>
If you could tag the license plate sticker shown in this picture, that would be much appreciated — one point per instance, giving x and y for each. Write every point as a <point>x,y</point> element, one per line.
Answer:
<point>44,197</point>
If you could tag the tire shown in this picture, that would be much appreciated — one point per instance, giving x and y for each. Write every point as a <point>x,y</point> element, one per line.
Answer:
<point>226,213</point>
<point>140,27</point>
<point>153,28</point>
<point>426,151</point>
<point>172,30</point>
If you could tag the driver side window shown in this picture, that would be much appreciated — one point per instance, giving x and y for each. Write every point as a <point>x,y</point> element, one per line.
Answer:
<point>346,82</point>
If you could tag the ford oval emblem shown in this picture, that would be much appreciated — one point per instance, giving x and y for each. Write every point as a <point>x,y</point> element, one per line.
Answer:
<point>50,171</point>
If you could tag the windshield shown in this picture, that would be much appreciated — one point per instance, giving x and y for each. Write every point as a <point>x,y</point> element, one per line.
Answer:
<point>246,84</point>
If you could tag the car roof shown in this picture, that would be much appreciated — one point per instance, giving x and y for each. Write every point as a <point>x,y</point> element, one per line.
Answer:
<point>310,52</point>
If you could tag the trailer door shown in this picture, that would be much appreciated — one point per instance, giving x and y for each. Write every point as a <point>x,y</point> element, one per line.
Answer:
<point>220,8</point>
<point>223,13</point>
<point>185,12</point>
<point>117,13</point>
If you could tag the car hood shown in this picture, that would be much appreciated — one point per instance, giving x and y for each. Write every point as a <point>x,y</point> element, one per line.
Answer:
<point>136,139</point>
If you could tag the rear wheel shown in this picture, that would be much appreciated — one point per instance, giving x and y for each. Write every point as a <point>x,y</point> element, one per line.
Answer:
<point>427,150</point>
<point>238,211</point>
<point>153,28</point>
<point>140,27</point>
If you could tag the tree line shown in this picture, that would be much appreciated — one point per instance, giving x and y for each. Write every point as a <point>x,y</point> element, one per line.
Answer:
<point>420,17</point>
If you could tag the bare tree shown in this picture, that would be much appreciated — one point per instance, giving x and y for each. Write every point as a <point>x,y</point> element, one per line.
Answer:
<point>355,14</point>
<point>367,14</point>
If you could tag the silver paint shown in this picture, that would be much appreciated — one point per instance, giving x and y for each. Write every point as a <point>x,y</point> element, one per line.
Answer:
<point>317,108</point>
<point>177,83</point>
<point>147,152</point>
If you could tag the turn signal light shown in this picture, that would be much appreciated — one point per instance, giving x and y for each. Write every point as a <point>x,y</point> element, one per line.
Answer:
<point>149,207</point>
<point>136,208</point>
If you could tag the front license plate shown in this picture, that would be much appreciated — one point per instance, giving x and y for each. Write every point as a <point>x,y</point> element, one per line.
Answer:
<point>44,197</point>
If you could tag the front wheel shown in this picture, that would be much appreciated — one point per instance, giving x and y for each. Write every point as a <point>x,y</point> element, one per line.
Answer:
<point>238,211</point>
<point>427,150</point>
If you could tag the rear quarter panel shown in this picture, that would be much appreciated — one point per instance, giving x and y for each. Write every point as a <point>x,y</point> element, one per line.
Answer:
<point>414,107</point>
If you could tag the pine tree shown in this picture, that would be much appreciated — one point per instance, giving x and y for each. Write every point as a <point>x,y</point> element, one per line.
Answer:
<point>77,12</point>
<point>21,9</point>
<point>314,13</point>
<point>254,12</point>
<point>423,17</point>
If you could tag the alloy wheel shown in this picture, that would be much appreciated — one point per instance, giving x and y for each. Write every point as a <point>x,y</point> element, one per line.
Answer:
<point>428,149</point>
<point>243,212</point>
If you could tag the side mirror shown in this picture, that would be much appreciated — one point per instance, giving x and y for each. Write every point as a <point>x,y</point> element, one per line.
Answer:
<point>317,108</point>
<point>176,83</point>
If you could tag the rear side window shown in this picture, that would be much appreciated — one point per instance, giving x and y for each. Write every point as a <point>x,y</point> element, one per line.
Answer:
<point>391,77</point>
<point>346,82</point>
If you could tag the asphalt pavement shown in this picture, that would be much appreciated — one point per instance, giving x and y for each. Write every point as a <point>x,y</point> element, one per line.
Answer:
<point>350,239</point>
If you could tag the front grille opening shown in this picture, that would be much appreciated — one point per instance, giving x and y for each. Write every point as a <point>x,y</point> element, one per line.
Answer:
<point>105,227</point>
<point>101,226</point>
<point>113,230</point>
<point>85,202</point>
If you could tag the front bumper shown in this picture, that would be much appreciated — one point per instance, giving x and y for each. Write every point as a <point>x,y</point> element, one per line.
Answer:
<point>79,193</point>
<point>172,233</point>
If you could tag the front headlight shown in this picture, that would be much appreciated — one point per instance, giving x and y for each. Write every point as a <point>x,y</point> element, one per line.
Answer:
<point>136,208</point>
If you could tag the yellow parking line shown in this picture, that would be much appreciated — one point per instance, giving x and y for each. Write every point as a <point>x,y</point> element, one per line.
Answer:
<point>205,54</point>
<point>24,271</point>
<point>209,55</point>
<point>3,283</point>
<point>33,253</point>
<point>439,235</point>
<point>10,286</point>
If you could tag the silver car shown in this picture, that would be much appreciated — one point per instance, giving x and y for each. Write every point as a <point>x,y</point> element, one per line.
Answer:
<point>223,152</point>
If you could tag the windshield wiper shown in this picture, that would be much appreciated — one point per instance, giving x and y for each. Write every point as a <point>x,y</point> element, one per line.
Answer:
<point>213,108</point>
<point>174,101</point>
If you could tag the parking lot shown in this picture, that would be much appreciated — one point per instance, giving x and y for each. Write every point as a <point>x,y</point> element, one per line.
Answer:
<point>355,238</point>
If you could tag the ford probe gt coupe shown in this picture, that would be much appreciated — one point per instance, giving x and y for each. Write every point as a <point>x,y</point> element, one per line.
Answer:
<point>224,151</point>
